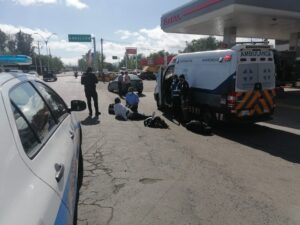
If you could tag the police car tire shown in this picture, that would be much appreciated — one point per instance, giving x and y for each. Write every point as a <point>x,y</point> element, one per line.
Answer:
<point>207,117</point>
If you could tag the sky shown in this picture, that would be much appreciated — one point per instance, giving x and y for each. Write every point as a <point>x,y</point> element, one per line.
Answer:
<point>121,24</point>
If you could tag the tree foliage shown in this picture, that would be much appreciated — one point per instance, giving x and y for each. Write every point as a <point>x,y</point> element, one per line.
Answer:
<point>202,44</point>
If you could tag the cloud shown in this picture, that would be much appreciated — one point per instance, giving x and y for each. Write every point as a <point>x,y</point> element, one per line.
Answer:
<point>10,29</point>
<point>151,40</point>
<point>76,3</point>
<point>70,3</point>
<point>70,61</point>
<point>32,2</point>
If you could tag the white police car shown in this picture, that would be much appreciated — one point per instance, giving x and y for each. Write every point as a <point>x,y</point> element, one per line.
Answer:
<point>39,153</point>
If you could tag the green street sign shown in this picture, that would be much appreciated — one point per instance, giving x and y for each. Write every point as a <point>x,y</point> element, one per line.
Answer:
<point>80,38</point>
<point>115,57</point>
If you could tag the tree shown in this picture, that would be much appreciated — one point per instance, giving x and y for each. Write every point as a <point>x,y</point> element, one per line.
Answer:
<point>202,44</point>
<point>24,43</point>
<point>3,39</point>
<point>131,61</point>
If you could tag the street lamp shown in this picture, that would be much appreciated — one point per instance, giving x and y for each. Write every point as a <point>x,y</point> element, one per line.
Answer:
<point>46,40</point>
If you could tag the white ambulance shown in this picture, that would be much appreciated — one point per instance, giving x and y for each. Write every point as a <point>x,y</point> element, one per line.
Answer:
<point>233,84</point>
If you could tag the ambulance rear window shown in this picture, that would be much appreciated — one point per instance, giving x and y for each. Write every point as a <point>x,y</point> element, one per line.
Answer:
<point>243,59</point>
<point>253,59</point>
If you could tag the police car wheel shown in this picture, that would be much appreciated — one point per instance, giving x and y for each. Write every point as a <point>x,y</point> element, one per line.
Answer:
<point>207,117</point>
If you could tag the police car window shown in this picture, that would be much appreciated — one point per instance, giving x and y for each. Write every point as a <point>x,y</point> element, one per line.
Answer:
<point>55,103</point>
<point>28,101</point>
<point>27,135</point>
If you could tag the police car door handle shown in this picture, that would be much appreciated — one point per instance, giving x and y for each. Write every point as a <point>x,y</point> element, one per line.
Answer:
<point>71,134</point>
<point>60,169</point>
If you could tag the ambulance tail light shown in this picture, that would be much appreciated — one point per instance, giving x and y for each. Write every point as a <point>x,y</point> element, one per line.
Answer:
<point>231,100</point>
<point>228,58</point>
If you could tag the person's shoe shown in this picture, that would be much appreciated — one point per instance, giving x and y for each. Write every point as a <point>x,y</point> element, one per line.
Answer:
<point>98,113</point>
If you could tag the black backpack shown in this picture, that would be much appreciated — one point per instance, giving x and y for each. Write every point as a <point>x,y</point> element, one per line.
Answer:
<point>155,122</point>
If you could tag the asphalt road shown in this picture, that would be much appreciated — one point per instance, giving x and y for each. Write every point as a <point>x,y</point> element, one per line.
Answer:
<point>135,175</point>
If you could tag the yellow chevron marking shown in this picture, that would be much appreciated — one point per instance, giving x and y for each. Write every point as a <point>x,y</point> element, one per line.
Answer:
<point>245,99</point>
<point>269,98</point>
<point>264,104</point>
<point>254,98</point>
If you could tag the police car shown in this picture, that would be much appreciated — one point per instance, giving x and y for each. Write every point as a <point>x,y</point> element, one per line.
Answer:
<point>40,153</point>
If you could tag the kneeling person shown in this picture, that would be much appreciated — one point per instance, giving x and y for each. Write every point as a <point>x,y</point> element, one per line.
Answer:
<point>132,100</point>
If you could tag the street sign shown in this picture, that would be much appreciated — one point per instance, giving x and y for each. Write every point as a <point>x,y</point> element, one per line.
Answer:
<point>80,38</point>
<point>131,51</point>
<point>115,57</point>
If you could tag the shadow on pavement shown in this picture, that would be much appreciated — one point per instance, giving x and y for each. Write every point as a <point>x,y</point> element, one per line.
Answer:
<point>275,142</point>
<point>90,121</point>
<point>198,128</point>
<point>288,110</point>
<point>142,95</point>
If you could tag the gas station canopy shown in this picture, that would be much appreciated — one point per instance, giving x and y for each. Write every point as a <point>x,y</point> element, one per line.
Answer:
<point>272,19</point>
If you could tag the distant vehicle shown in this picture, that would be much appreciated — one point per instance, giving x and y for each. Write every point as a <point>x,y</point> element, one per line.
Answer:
<point>147,76</point>
<point>34,73</point>
<point>40,152</point>
<point>49,76</point>
<point>136,83</point>
<point>15,71</point>
<point>234,84</point>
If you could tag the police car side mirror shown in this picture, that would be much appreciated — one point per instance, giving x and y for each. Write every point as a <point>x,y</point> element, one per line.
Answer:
<point>77,105</point>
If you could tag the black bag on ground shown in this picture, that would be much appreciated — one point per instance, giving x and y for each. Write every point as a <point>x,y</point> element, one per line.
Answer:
<point>111,110</point>
<point>155,122</point>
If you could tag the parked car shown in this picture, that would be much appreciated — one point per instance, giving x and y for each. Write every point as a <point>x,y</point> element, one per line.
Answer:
<point>136,83</point>
<point>40,152</point>
<point>33,73</point>
<point>49,76</point>
<point>147,76</point>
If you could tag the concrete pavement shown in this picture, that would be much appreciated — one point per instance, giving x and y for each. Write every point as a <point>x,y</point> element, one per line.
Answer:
<point>135,175</point>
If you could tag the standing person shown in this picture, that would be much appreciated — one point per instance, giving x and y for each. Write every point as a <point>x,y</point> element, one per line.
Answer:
<point>120,84</point>
<point>183,86</point>
<point>89,80</point>
<point>175,96</point>
<point>132,100</point>
<point>126,82</point>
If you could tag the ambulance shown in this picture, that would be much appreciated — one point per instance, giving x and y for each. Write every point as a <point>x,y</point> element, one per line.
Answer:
<point>234,84</point>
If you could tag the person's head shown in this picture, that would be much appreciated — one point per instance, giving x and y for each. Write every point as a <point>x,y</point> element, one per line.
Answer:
<point>89,70</point>
<point>130,89</point>
<point>181,77</point>
<point>117,100</point>
<point>175,77</point>
<point>126,72</point>
<point>122,72</point>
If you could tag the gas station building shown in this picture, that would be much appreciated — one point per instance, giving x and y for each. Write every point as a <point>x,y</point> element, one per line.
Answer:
<point>267,19</point>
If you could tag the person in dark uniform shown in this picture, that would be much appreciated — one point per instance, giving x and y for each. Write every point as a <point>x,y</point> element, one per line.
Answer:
<point>183,87</point>
<point>120,84</point>
<point>89,80</point>
<point>175,95</point>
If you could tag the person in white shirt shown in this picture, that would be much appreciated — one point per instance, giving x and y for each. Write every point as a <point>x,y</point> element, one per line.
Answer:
<point>121,111</point>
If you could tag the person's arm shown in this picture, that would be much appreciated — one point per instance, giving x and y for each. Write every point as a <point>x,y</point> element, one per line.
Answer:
<point>82,79</point>
<point>95,79</point>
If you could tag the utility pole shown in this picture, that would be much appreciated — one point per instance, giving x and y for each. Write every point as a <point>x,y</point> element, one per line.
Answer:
<point>102,56</point>
<point>95,56</point>
<point>41,67</point>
